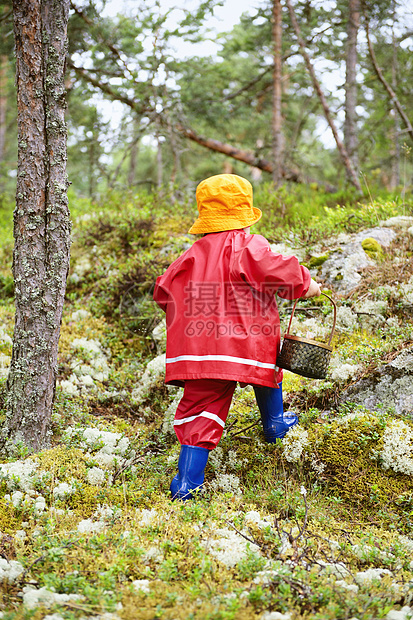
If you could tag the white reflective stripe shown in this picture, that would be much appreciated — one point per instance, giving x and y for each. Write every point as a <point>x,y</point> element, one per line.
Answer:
<point>218,358</point>
<point>203,414</point>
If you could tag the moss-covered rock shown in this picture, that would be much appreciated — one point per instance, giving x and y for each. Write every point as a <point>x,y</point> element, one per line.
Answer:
<point>372,248</point>
<point>347,454</point>
<point>317,260</point>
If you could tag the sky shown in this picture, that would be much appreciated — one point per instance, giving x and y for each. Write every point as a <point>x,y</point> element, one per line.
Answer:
<point>225,17</point>
<point>223,20</point>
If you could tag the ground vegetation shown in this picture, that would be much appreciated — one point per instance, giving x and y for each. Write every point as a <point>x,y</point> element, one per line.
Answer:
<point>316,526</point>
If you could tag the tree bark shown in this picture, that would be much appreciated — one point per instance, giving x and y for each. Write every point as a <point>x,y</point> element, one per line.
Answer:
<point>395,154</point>
<point>4,61</point>
<point>159,164</point>
<point>340,146</point>
<point>277,136</point>
<point>393,97</point>
<point>134,149</point>
<point>92,168</point>
<point>350,123</point>
<point>41,219</point>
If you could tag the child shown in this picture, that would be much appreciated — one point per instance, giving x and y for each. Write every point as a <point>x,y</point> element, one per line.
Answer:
<point>223,324</point>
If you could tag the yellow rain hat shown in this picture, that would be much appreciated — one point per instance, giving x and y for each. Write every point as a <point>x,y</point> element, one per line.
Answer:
<point>224,203</point>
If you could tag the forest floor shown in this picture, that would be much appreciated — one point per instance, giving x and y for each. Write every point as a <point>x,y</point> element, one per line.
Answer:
<point>316,526</point>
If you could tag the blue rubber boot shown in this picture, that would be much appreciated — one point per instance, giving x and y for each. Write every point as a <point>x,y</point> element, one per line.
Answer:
<point>275,422</point>
<point>191,466</point>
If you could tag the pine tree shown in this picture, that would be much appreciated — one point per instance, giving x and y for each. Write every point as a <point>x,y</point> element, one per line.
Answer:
<point>41,220</point>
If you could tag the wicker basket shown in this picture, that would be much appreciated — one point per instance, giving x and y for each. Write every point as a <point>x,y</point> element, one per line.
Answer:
<point>305,357</point>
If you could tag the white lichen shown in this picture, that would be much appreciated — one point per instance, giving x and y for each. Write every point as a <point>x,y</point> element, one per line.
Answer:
<point>141,585</point>
<point>153,373</point>
<point>10,570</point>
<point>62,490</point>
<point>96,476</point>
<point>397,452</point>
<point>228,483</point>
<point>33,597</point>
<point>294,443</point>
<point>230,548</point>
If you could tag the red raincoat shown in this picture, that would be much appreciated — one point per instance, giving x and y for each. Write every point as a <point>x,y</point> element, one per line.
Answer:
<point>221,314</point>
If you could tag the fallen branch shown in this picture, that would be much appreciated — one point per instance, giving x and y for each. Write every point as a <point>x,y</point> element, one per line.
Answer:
<point>247,157</point>
<point>251,540</point>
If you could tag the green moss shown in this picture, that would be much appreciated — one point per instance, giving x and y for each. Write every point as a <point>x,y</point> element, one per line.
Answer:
<point>372,248</point>
<point>6,286</point>
<point>63,463</point>
<point>87,499</point>
<point>316,261</point>
<point>10,520</point>
<point>348,450</point>
<point>123,249</point>
<point>293,382</point>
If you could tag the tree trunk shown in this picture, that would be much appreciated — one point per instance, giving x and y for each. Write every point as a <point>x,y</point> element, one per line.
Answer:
<point>277,137</point>
<point>390,91</point>
<point>395,152</point>
<point>92,167</point>
<point>134,148</point>
<point>350,123</point>
<point>159,165</point>
<point>340,146</point>
<point>176,156</point>
<point>4,62</point>
<point>41,219</point>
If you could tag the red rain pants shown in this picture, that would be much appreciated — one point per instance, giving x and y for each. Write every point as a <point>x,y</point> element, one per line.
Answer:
<point>202,412</point>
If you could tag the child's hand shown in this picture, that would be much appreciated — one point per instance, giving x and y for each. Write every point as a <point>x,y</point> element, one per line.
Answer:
<point>313,290</point>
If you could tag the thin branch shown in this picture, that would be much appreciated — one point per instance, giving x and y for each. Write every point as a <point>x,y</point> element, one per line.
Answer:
<point>244,429</point>
<point>6,15</point>
<point>405,36</point>
<point>247,86</point>
<point>125,466</point>
<point>91,24</point>
<point>107,89</point>
<point>251,540</point>
<point>230,426</point>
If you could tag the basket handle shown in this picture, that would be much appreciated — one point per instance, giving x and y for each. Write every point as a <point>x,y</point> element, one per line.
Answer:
<point>334,317</point>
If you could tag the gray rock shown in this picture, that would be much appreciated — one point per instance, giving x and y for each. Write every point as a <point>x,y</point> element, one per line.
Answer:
<point>390,386</point>
<point>341,271</point>
<point>383,235</point>
<point>288,250</point>
<point>400,221</point>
